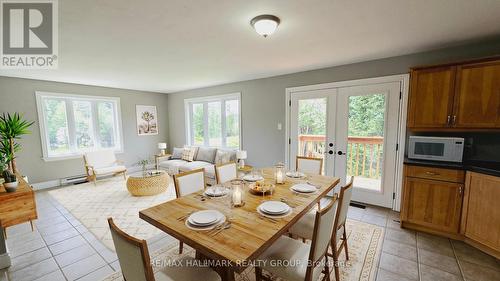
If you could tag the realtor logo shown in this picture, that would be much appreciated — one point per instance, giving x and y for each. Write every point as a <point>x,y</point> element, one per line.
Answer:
<point>29,34</point>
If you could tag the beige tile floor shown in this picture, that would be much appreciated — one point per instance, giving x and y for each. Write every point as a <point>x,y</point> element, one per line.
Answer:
<point>61,248</point>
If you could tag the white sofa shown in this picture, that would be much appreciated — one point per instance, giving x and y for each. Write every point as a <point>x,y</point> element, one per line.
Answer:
<point>205,157</point>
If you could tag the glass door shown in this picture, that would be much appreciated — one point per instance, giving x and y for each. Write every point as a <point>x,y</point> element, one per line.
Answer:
<point>312,127</point>
<point>366,137</point>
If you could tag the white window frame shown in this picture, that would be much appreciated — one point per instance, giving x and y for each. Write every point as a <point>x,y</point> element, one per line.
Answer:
<point>69,114</point>
<point>205,100</point>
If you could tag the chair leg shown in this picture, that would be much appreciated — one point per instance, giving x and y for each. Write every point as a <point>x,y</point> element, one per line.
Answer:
<point>303,240</point>
<point>336,262</point>
<point>5,233</point>
<point>32,227</point>
<point>125,175</point>
<point>258,274</point>
<point>345,245</point>
<point>327,269</point>
<point>181,246</point>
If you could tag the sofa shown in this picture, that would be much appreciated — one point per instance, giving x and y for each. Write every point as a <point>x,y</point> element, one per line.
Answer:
<point>204,157</point>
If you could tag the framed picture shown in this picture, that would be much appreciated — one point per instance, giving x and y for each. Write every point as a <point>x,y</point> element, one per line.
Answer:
<point>147,120</point>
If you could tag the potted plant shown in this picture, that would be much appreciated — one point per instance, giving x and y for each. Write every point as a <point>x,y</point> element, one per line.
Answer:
<point>12,127</point>
<point>10,181</point>
<point>143,163</point>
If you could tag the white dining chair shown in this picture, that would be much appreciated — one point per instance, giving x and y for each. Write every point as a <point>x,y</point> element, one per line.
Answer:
<point>187,183</point>
<point>309,165</point>
<point>226,172</point>
<point>307,258</point>
<point>133,256</point>
<point>305,226</point>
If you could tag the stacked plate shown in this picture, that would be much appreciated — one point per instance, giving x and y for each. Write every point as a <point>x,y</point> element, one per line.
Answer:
<point>303,188</point>
<point>274,209</point>
<point>251,177</point>
<point>216,191</point>
<point>295,174</point>
<point>205,220</point>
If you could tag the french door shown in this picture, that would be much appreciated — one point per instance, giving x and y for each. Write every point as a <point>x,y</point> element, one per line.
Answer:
<point>354,130</point>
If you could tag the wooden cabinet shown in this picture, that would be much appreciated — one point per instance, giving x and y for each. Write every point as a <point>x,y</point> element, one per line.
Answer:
<point>477,100</point>
<point>431,100</point>
<point>481,215</point>
<point>457,96</point>
<point>432,204</point>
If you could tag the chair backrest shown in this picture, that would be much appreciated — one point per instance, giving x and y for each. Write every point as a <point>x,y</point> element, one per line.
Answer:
<point>344,200</point>
<point>189,182</point>
<point>226,172</point>
<point>100,159</point>
<point>323,229</point>
<point>133,255</point>
<point>309,165</point>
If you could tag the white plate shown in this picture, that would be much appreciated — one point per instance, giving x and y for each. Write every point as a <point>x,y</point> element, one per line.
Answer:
<point>274,207</point>
<point>216,192</point>
<point>274,216</point>
<point>208,227</point>
<point>304,188</point>
<point>204,218</point>
<point>253,178</point>
<point>295,174</point>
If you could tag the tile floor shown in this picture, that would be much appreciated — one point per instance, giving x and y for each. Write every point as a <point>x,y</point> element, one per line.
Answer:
<point>61,248</point>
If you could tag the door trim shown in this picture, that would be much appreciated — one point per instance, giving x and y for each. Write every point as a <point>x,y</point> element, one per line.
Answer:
<point>403,79</point>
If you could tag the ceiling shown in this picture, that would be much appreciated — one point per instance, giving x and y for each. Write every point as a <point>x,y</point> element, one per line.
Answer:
<point>168,46</point>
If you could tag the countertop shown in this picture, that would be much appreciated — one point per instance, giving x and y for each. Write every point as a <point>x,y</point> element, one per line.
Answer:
<point>484,167</point>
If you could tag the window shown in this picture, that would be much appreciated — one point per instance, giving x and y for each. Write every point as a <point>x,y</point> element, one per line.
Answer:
<point>213,121</point>
<point>72,124</point>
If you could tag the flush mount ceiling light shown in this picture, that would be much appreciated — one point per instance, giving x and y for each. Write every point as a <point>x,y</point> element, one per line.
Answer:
<point>265,24</point>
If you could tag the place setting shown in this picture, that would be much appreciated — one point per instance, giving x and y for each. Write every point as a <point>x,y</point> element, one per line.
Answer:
<point>304,189</point>
<point>274,210</point>
<point>206,220</point>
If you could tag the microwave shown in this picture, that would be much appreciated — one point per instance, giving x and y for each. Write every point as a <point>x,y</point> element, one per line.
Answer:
<point>436,148</point>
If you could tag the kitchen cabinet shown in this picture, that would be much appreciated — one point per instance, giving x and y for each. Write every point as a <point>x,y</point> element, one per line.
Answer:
<point>432,199</point>
<point>481,213</point>
<point>458,97</point>
<point>431,97</point>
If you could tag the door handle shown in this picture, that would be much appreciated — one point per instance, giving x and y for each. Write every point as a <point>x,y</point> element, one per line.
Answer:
<point>340,153</point>
<point>454,120</point>
<point>448,120</point>
<point>460,190</point>
<point>432,173</point>
<point>330,152</point>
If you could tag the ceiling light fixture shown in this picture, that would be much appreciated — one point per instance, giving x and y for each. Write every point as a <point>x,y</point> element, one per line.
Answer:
<point>265,24</point>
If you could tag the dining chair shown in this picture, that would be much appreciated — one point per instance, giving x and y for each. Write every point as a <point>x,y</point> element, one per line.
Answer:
<point>187,183</point>
<point>307,258</point>
<point>226,172</point>
<point>309,165</point>
<point>133,256</point>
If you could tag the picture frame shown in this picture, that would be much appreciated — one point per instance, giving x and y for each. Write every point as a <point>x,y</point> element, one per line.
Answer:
<point>147,120</point>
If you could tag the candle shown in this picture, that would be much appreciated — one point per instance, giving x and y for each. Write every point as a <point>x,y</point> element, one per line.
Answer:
<point>237,197</point>
<point>279,176</point>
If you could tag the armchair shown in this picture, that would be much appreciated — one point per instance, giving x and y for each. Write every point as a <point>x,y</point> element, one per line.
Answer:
<point>102,163</point>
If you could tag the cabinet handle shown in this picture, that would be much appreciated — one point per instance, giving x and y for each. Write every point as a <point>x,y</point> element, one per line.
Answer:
<point>448,120</point>
<point>432,173</point>
<point>454,121</point>
<point>460,190</point>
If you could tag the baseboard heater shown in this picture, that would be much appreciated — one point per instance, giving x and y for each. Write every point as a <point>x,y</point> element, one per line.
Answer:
<point>74,180</point>
<point>357,205</point>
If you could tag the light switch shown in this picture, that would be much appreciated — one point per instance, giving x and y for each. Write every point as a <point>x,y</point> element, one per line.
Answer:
<point>279,126</point>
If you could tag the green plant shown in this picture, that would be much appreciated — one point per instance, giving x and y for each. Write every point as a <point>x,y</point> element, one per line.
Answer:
<point>12,127</point>
<point>143,163</point>
<point>8,176</point>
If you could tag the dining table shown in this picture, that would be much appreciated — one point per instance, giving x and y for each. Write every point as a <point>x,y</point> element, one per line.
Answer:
<point>250,233</point>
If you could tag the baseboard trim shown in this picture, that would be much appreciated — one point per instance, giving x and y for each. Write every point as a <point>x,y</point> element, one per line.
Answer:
<point>57,182</point>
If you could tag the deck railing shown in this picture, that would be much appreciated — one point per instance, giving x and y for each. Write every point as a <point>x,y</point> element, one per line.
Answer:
<point>364,154</point>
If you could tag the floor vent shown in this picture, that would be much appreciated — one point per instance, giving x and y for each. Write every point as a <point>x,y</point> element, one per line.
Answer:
<point>74,180</point>
<point>357,205</point>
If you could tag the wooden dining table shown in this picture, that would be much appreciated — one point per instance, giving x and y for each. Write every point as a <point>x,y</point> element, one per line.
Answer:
<point>250,234</point>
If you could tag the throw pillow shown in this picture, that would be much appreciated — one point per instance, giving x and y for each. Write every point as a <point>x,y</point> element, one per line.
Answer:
<point>206,154</point>
<point>177,153</point>
<point>222,157</point>
<point>188,153</point>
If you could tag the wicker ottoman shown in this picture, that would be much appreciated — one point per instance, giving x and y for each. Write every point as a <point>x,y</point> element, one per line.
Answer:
<point>147,183</point>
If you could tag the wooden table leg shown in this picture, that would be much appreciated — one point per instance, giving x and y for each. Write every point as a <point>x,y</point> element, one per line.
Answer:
<point>226,273</point>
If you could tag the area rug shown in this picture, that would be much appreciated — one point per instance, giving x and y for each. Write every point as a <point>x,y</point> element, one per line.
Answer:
<point>93,204</point>
<point>365,243</point>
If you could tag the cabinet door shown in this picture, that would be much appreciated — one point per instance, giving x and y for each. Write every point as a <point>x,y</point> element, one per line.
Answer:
<point>477,99</point>
<point>431,97</point>
<point>482,210</point>
<point>433,204</point>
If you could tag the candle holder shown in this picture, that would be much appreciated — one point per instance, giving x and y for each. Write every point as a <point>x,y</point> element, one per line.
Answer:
<point>279,173</point>
<point>237,194</point>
